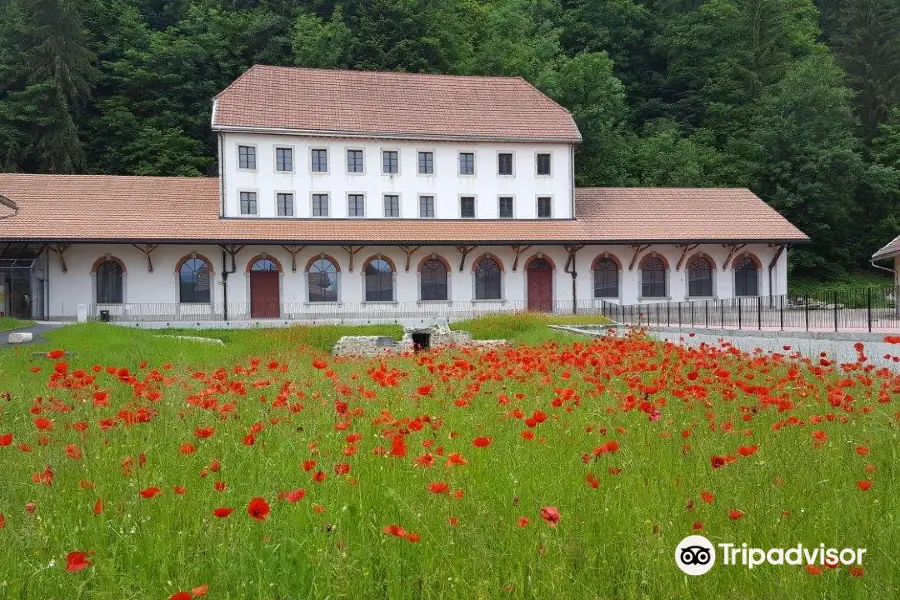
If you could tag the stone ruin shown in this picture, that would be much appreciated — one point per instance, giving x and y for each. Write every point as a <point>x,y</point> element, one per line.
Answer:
<point>414,339</point>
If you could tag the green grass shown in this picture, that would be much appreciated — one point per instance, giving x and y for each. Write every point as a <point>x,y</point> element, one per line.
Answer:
<point>9,323</point>
<point>613,541</point>
<point>526,327</point>
<point>801,286</point>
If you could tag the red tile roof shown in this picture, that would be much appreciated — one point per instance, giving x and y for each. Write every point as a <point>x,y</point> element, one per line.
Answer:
<point>103,208</point>
<point>889,251</point>
<point>373,104</point>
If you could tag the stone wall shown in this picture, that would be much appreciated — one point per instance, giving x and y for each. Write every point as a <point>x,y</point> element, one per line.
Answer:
<point>441,337</point>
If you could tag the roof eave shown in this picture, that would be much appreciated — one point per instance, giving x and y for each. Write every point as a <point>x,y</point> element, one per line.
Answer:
<point>393,135</point>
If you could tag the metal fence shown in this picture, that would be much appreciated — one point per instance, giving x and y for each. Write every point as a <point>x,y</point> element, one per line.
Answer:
<point>866,309</point>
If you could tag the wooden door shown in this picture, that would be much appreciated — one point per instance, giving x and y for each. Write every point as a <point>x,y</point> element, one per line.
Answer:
<point>540,286</point>
<point>265,302</point>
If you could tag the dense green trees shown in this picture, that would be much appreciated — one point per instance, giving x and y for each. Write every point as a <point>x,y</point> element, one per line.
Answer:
<point>797,99</point>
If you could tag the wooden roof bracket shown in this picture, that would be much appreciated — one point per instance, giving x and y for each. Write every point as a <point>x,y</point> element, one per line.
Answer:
<point>464,252</point>
<point>518,250</point>
<point>570,261</point>
<point>232,250</point>
<point>734,250</point>
<point>687,248</point>
<point>351,250</point>
<point>147,250</point>
<point>638,248</point>
<point>781,249</point>
<point>60,250</point>
<point>409,250</point>
<point>293,250</point>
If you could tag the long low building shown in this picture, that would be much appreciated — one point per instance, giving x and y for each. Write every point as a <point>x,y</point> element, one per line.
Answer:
<point>345,194</point>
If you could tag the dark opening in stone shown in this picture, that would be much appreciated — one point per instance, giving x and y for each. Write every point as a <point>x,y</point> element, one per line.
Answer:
<point>421,341</point>
<point>385,341</point>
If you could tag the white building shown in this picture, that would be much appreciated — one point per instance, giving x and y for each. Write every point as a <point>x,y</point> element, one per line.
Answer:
<point>359,195</point>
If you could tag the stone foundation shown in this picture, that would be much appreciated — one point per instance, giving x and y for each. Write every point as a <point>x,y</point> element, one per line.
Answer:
<point>440,336</point>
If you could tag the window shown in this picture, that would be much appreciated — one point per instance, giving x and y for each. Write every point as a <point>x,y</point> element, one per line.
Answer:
<point>319,160</point>
<point>487,279</point>
<point>322,280</point>
<point>264,264</point>
<point>248,203</point>
<point>194,278</point>
<point>543,164</point>
<point>354,161</point>
<point>606,278</point>
<point>653,278</point>
<point>109,282</point>
<point>506,207</point>
<point>505,163</point>
<point>544,207</point>
<point>433,280</point>
<point>390,162</point>
<point>356,205</point>
<point>746,277</point>
<point>285,204</point>
<point>320,205</point>
<point>426,163</point>
<point>467,207</point>
<point>284,159</point>
<point>391,205</point>
<point>700,274</point>
<point>379,281</point>
<point>247,157</point>
<point>426,207</point>
<point>466,163</point>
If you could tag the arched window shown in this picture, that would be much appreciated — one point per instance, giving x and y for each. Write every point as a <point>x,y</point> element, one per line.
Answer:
<point>322,280</point>
<point>433,280</point>
<point>109,282</point>
<point>606,278</point>
<point>195,278</point>
<point>264,264</point>
<point>653,278</point>
<point>379,281</point>
<point>746,277</point>
<point>487,279</point>
<point>700,276</point>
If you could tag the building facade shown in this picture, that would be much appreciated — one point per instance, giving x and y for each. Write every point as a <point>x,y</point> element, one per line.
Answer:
<point>351,195</point>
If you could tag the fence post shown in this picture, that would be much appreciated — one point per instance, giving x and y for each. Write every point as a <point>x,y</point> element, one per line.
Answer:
<point>781,313</point>
<point>740,314</point>
<point>759,313</point>
<point>806,309</point>
<point>706,306</point>
<point>869,308</point>
<point>722,313</point>
<point>679,314</point>
<point>835,298</point>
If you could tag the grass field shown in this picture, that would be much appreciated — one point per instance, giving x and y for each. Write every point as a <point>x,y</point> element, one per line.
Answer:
<point>8,323</point>
<point>801,286</point>
<point>138,466</point>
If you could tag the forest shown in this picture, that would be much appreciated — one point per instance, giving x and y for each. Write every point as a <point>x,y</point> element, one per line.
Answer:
<point>798,100</point>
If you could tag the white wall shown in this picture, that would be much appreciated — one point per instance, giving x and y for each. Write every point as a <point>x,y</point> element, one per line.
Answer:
<point>446,184</point>
<point>77,286</point>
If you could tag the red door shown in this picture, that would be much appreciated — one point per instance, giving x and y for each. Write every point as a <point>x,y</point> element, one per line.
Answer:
<point>264,300</point>
<point>540,286</point>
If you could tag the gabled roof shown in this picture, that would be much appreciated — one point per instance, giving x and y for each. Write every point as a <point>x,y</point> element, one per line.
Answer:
<point>889,251</point>
<point>103,208</point>
<point>378,104</point>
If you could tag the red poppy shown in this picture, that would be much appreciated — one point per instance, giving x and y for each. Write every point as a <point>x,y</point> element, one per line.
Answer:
<point>862,450</point>
<point>735,514</point>
<point>455,458</point>
<point>98,506</point>
<point>707,497</point>
<point>857,571</point>
<point>748,450</point>
<point>220,486</point>
<point>341,469</point>
<point>527,435</point>
<point>592,480</point>
<point>550,514</point>
<point>413,537</point>
<point>181,596</point>
<point>522,522</point>
<point>424,390</point>
<point>6,439</point>
<point>204,432</point>
<point>892,339</point>
<point>717,462</point>
<point>453,521</point>
<point>394,530</point>
<point>295,495</point>
<point>2,521</point>
<point>481,442</point>
<point>439,487</point>
<point>223,511</point>
<point>76,561</point>
<point>864,485</point>
<point>697,526</point>
<point>180,490</point>
<point>814,569</point>
<point>319,476</point>
<point>56,354</point>
<point>187,448</point>
<point>309,465</point>
<point>150,492</point>
<point>319,364</point>
<point>43,424</point>
<point>200,590</point>
<point>258,508</point>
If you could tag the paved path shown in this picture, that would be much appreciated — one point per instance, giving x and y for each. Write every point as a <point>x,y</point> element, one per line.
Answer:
<point>37,330</point>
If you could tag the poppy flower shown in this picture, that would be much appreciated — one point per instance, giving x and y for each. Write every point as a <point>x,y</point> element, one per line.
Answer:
<point>862,450</point>
<point>6,439</point>
<point>857,571</point>
<point>204,432</point>
<point>223,511</point>
<point>439,487</point>
<point>707,497</point>
<point>150,492</point>
<point>455,458</point>
<point>319,476</point>
<point>394,530</point>
<point>424,390</point>
<point>735,514</point>
<point>413,537</point>
<point>814,569</point>
<point>697,526</point>
<point>2,521</point>
<point>181,596</point>
<point>180,490</point>
<point>453,521</point>
<point>295,495</point>
<point>481,442</point>
<point>522,522</point>
<point>98,506</point>
<point>220,486</point>
<point>747,451</point>
<point>56,354</point>
<point>77,561</point>
<point>200,590</point>
<point>319,364</point>
<point>550,514</point>
<point>717,462</point>
<point>258,508</point>
<point>864,485</point>
<point>309,465</point>
<point>341,469</point>
<point>592,480</point>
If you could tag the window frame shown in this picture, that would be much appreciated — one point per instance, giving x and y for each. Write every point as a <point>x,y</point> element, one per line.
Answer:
<point>752,259</point>
<point>361,195</point>
<point>433,206</point>
<point>537,206</point>
<point>312,205</point>
<point>293,152</point>
<point>475,272</point>
<point>459,163</point>
<point>312,153</point>
<point>512,164</point>
<point>240,199</point>
<point>384,198</point>
<point>255,149</point>
<point>347,152</point>
<point>712,276</point>
<point>474,199</point>
<point>185,260</point>
<point>512,200</point>
<point>393,278</point>
<point>537,163</point>
<point>385,151</point>
<point>665,277</point>
<point>293,203</point>
<point>421,276</point>
<point>419,153</point>
<point>617,266</point>
<point>98,278</point>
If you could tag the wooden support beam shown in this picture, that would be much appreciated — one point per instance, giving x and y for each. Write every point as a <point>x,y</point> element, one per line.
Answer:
<point>352,250</point>
<point>293,250</point>
<point>518,250</point>
<point>232,250</point>
<point>781,249</point>
<point>147,250</point>
<point>734,249</point>
<point>638,248</point>
<point>464,252</point>
<point>60,250</point>
<point>687,248</point>
<point>409,250</point>
<point>571,249</point>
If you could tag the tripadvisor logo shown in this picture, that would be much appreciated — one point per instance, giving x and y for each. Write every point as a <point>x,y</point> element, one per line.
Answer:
<point>696,555</point>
